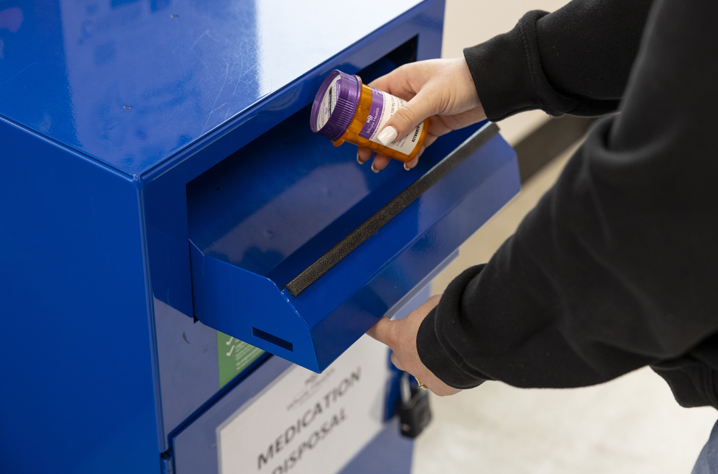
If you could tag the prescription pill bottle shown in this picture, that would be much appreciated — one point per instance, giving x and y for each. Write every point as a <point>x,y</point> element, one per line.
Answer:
<point>347,110</point>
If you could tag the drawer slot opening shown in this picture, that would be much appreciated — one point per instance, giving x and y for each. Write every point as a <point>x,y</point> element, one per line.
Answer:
<point>277,341</point>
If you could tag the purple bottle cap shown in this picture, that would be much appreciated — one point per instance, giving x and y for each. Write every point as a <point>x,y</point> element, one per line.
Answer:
<point>335,104</point>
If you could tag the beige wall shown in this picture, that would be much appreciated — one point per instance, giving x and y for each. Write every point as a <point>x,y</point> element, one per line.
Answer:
<point>470,22</point>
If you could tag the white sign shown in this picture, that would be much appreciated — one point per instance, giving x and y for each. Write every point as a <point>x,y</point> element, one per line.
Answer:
<point>307,423</point>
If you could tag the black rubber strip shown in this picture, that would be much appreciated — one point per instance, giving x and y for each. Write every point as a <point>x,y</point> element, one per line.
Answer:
<point>359,235</point>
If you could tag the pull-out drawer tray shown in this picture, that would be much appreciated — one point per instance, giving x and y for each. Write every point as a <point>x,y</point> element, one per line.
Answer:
<point>298,250</point>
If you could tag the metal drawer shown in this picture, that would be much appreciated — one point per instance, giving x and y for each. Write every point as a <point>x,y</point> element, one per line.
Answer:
<point>298,250</point>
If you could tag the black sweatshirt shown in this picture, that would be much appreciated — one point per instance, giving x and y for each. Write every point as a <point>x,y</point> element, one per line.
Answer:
<point>616,267</point>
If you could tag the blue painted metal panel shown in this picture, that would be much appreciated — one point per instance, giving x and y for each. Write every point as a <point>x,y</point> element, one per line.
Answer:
<point>255,223</point>
<point>195,448</point>
<point>76,379</point>
<point>139,80</point>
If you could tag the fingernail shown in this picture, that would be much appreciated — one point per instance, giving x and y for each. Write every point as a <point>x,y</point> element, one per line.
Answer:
<point>373,168</point>
<point>406,166</point>
<point>359,160</point>
<point>387,135</point>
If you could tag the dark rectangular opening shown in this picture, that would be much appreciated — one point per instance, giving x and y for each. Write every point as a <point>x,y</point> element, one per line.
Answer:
<point>277,341</point>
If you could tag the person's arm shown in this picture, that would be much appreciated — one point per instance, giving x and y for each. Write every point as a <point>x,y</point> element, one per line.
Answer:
<point>575,60</point>
<point>616,267</point>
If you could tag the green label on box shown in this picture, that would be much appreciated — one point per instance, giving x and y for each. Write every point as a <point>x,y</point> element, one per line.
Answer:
<point>234,356</point>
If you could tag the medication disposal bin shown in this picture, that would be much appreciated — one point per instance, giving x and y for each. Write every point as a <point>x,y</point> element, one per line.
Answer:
<point>176,242</point>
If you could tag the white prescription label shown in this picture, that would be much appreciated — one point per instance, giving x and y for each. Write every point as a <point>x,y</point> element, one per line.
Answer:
<point>382,108</point>
<point>329,101</point>
<point>307,423</point>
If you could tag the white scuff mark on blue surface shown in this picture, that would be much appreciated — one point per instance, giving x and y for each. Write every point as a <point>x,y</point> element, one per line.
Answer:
<point>20,72</point>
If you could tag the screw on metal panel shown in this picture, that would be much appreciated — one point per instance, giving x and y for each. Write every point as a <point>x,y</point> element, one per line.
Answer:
<point>174,16</point>
<point>128,107</point>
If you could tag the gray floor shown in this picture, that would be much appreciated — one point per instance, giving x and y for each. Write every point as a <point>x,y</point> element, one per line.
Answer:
<point>631,424</point>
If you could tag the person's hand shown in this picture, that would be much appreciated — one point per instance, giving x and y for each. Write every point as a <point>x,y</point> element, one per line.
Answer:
<point>400,336</point>
<point>438,88</point>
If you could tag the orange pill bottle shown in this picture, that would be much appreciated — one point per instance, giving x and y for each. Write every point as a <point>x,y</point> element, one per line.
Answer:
<point>347,110</point>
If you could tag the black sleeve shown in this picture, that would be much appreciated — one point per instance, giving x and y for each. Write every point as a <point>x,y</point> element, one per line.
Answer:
<point>617,266</point>
<point>573,61</point>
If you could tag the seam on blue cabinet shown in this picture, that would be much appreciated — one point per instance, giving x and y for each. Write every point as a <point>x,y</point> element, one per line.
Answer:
<point>70,149</point>
<point>163,443</point>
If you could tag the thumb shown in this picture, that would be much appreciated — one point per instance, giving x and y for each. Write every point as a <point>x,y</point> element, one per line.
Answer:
<point>419,108</point>
<point>381,330</point>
